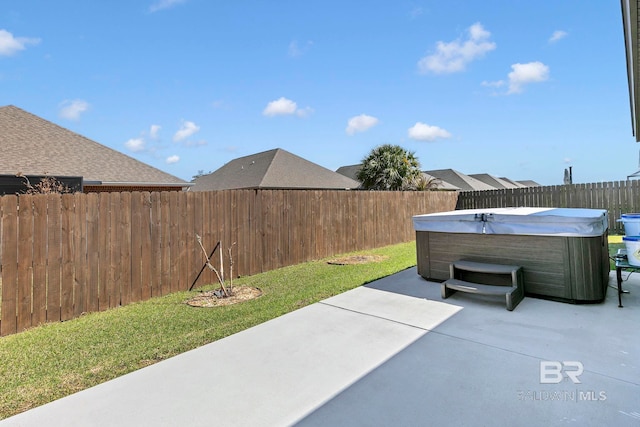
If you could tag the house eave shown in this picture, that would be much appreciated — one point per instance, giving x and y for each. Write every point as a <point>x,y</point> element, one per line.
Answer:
<point>632,45</point>
<point>137,184</point>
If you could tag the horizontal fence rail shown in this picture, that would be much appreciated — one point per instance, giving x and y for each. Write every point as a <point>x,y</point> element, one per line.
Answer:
<point>64,255</point>
<point>617,197</point>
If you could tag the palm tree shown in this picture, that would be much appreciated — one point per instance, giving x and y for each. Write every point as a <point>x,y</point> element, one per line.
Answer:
<point>389,167</point>
<point>424,183</point>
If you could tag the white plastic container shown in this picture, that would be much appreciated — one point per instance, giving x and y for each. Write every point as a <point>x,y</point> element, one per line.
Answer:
<point>632,243</point>
<point>631,223</point>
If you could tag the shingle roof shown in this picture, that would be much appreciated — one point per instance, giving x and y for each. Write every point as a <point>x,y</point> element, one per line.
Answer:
<point>275,168</point>
<point>529,183</point>
<point>439,184</point>
<point>512,182</point>
<point>35,146</point>
<point>493,181</point>
<point>350,171</point>
<point>459,180</point>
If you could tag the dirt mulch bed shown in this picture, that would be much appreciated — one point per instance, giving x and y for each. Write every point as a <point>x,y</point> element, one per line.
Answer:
<point>211,298</point>
<point>357,259</point>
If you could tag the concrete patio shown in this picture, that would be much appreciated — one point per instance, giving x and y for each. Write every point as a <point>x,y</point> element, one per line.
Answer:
<point>390,353</point>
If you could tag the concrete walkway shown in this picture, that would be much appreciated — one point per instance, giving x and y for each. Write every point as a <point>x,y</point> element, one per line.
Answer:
<point>389,353</point>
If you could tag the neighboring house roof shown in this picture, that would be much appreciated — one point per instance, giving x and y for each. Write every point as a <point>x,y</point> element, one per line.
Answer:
<point>459,180</point>
<point>512,182</point>
<point>529,183</point>
<point>275,168</point>
<point>632,48</point>
<point>493,181</point>
<point>439,184</point>
<point>35,146</point>
<point>449,179</point>
<point>350,171</point>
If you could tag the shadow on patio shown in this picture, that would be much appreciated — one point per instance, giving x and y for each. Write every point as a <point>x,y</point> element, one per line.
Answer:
<point>482,366</point>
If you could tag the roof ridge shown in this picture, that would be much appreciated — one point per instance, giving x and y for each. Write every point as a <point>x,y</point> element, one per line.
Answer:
<point>276,152</point>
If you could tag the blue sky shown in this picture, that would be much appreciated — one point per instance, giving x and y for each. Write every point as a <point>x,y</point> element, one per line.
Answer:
<point>513,88</point>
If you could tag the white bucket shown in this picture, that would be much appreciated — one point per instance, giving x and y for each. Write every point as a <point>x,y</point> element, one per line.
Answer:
<point>631,223</point>
<point>632,243</point>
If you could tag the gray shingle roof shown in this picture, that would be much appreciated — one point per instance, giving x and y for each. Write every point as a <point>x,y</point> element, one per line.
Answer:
<point>439,184</point>
<point>275,168</point>
<point>459,180</point>
<point>35,146</point>
<point>512,182</point>
<point>493,181</point>
<point>529,183</point>
<point>350,171</point>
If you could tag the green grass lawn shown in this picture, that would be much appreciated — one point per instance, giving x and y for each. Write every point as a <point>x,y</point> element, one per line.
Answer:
<point>55,360</point>
<point>615,243</point>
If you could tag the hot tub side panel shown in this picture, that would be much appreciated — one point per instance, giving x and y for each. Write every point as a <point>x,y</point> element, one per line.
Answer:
<point>589,267</point>
<point>563,268</point>
<point>423,254</point>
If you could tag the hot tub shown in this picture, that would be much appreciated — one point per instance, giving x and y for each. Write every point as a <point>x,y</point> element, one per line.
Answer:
<point>563,252</point>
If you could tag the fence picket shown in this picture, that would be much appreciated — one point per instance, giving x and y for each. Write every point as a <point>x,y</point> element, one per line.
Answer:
<point>156,237</point>
<point>25,260</point>
<point>165,248</point>
<point>79,264</point>
<point>136,246</point>
<point>111,296</point>
<point>67,257</point>
<point>94,252</point>
<point>104,251</point>
<point>146,254</point>
<point>54,257</point>
<point>9,323</point>
<point>39,290</point>
<point>125,249</point>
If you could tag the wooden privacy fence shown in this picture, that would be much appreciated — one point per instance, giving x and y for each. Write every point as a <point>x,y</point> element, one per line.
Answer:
<point>617,197</point>
<point>63,255</point>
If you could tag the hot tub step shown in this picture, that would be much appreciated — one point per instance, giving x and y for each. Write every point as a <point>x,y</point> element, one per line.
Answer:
<point>483,267</point>
<point>513,293</point>
<point>477,288</point>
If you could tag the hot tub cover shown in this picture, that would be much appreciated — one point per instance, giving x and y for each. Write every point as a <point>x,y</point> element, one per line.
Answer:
<point>570,222</point>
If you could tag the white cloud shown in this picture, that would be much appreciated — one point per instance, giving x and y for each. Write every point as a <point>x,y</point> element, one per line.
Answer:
<point>415,12</point>
<point>164,4</point>
<point>10,44</point>
<point>71,109</point>
<point>557,35</point>
<point>497,83</point>
<point>280,107</point>
<point>360,123</point>
<point>296,50</point>
<point>219,104</point>
<point>522,74</point>
<point>187,129</point>
<point>424,132</point>
<point>304,112</point>
<point>172,159</point>
<point>153,131</point>
<point>285,107</point>
<point>135,144</point>
<point>454,56</point>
